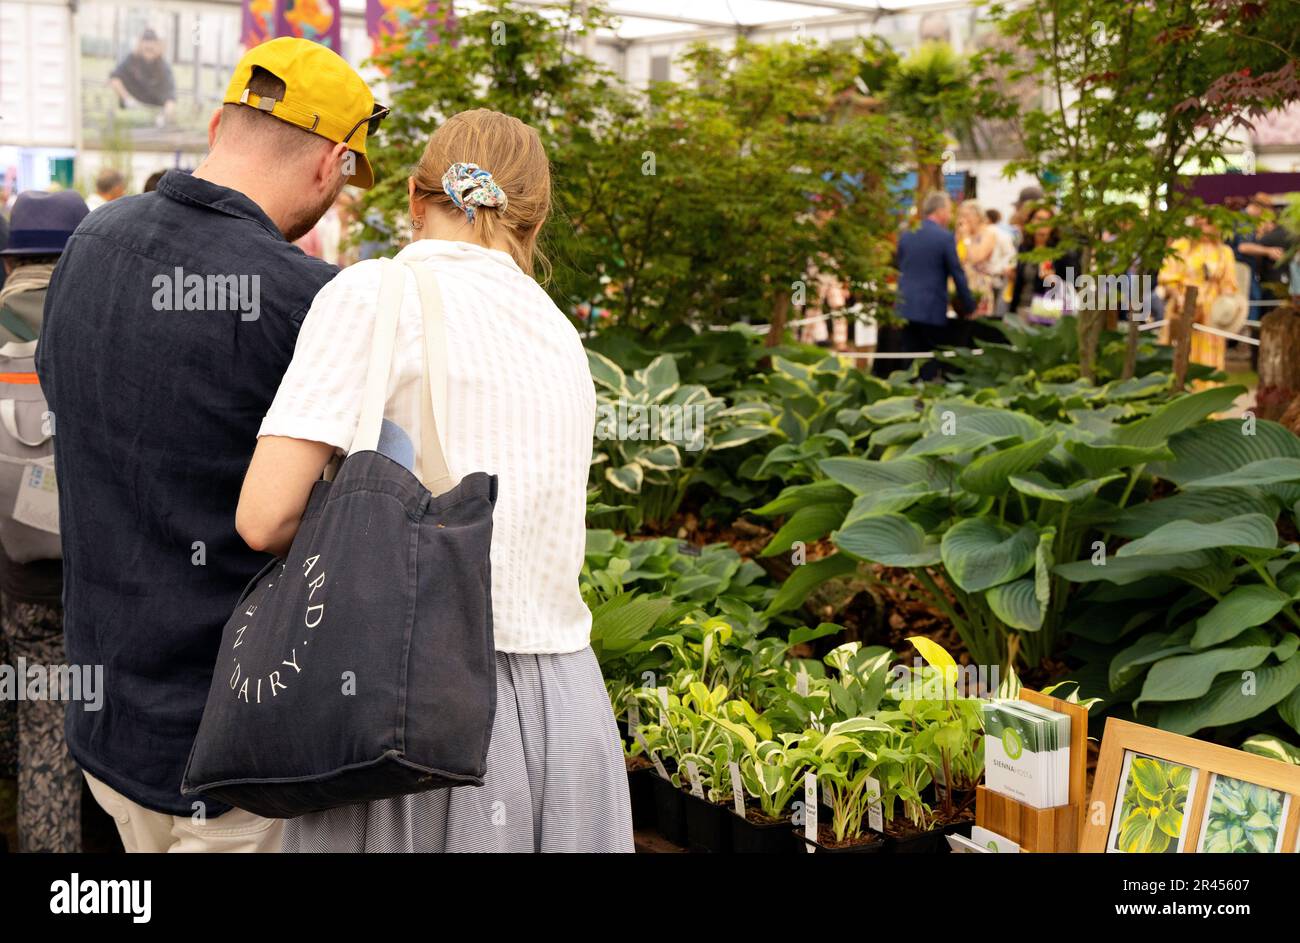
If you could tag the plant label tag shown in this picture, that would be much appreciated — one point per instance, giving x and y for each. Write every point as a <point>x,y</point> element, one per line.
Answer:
<point>663,705</point>
<point>875,808</point>
<point>801,683</point>
<point>810,809</point>
<point>737,789</point>
<point>37,504</point>
<point>633,716</point>
<point>659,766</point>
<point>693,773</point>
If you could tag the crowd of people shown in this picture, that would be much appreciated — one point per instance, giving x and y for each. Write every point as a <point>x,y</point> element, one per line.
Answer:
<point>961,266</point>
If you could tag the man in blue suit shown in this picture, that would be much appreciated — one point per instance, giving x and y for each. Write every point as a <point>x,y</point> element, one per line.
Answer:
<point>927,258</point>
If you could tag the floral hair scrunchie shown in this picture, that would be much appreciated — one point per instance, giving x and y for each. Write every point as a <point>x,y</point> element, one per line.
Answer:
<point>469,185</point>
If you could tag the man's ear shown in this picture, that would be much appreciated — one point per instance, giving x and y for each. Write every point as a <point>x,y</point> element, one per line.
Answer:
<point>339,161</point>
<point>213,124</point>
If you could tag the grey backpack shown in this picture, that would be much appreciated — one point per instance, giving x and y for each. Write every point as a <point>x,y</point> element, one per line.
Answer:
<point>29,508</point>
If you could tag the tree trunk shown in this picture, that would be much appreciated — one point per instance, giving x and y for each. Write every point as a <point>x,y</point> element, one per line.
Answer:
<point>1131,348</point>
<point>780,312</point>
<point>1180,336</point>
<point>929,177</point>
<point>1279,362</point>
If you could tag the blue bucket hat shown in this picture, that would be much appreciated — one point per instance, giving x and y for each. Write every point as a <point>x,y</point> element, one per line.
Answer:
<point>40,223</point>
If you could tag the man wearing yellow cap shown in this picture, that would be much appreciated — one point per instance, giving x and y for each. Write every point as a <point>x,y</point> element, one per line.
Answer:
<point>168,325</point>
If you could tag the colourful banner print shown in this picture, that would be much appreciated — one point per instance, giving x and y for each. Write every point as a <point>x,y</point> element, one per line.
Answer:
<point>258,22</point>
<point>318,20</point>
<point>414,22</point>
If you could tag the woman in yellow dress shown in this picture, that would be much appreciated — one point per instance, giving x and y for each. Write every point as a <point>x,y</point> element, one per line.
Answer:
<point>1207,263</point>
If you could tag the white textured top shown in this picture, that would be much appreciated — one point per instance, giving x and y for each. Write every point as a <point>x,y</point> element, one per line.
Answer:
<point>521,405</point>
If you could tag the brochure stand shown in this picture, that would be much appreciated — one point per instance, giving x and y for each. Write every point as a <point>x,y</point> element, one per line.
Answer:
<point>1055,829</point>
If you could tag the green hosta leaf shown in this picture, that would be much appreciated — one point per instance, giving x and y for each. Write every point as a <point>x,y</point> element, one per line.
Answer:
<point>989,473</point>
<point>1125,570</point>
<point>1214,448</point>
<point>889,499</point>
<point>1152,647</point>
<point>626,478</point>
<point>1017,604</point>
<point>1244,530</point>
<point>1037,485</point>
<point>739,435</point>
<point>807,577</point>
<point>890,539</point>
<point>892,409</point>
<point>862,476</point>
<point>1230,700</point>
<point>606,373</point>
<point>1154,430</point>
<point>1265,471</point>
<point>1289,708</point>
<point>972,417</point>
<point>962,441</point>
<point>1183,677</point>
<point>1202,506</point>
<point>806,524</point>
<point>621,622</point>
<point>1244,607</point>
<point>896,433</point>
<point>980,553</point>
<point>1099,460</point>
<point>799,496</point>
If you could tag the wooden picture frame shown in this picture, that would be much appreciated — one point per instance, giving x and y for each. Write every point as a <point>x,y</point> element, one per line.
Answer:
<point>1208,761</point>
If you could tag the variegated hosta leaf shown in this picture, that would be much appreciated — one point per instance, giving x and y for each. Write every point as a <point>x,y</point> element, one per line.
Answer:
<point>606,373</point>
<point>739,435</point>
<point>627,478</point>
<point>664,457</point>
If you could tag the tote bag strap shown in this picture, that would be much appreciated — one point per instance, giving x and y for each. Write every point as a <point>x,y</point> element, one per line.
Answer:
<point>383,341</point>
<point>436,476</point>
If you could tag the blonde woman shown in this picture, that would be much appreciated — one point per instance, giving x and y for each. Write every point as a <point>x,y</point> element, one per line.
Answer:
<point>1208,263</point>
<point>977,243</point>
<point>520,405</point>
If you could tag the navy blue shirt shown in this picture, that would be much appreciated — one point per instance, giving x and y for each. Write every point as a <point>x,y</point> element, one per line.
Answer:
<point>927,258</point>
<point>157,393</point>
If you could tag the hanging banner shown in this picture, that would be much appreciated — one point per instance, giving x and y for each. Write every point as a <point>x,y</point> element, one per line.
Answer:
<point>318,20</point>
<point>258,22</point>
<point>407,23</point>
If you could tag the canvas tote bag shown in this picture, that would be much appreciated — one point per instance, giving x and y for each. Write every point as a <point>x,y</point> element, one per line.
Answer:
<point>362,665</point>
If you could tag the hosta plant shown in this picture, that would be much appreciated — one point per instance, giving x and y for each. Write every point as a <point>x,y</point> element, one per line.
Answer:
<point>1151,815</point>
<point>654,432</point>
<point>1244,818</point>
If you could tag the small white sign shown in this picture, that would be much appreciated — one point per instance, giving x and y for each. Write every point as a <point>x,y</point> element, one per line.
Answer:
<point>993,841</point>
<point>693,773</point>
<point>663,706</point>
<point>876,808</point>
<point>659,766</point>
<point>810,809</point>
<point>737,789</point>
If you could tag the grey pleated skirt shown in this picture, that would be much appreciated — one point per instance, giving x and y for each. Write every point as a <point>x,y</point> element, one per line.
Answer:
<point>555,778</point>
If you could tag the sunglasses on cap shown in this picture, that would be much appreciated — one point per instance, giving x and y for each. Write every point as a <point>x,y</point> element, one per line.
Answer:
<point>376,118</point>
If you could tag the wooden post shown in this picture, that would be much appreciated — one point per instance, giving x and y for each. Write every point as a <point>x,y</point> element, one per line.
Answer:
<point>1180,336</point>
<point>1279,362</point>
<point>1131,348</point>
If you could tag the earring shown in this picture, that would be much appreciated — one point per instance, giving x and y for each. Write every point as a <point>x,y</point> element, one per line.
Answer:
<point>417,223</point>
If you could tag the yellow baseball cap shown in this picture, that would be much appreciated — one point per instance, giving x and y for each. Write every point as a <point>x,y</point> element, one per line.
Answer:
<point>323,95</point>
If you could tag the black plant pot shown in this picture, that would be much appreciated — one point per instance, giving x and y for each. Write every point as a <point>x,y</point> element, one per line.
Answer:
<point>879,844</point>
<point>707,829</point>
<point>670,810</point>
<point>932,842</point>
<point>761,838</point>
<point>641,792</point>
